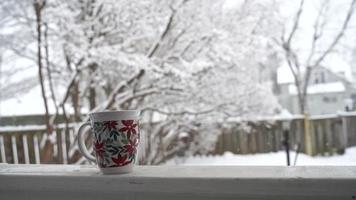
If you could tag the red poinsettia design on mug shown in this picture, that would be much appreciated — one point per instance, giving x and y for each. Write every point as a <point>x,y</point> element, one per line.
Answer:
<point>120,160</point>
<point>99,148</point>
<point>131,147</point>
<point>129,127</point>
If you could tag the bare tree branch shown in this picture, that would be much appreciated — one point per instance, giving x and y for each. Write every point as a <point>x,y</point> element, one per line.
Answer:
<point>296,23</point>
<point>339,35</point>
<point>38,7</point>
<point>318,31</point>
<point>49,73</point>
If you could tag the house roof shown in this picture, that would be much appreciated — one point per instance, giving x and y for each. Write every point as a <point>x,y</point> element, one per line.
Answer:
<point>339,66</point>
<point>334,87</point>
<point>332,62</point>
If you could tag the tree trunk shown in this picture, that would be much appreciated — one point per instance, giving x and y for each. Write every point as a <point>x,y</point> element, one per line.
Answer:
<point>92,91</point>
<point>53,119</point>
<point>76,101</point>
<point>301,100</point>
<point>47,154</point>
<point>300,93</point>
<point>49,74</point>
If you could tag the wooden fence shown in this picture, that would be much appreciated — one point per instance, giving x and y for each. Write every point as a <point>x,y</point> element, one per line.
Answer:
<point>318,135</point>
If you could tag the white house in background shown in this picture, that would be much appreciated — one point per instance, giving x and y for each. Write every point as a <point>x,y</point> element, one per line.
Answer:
<point>331,89</point>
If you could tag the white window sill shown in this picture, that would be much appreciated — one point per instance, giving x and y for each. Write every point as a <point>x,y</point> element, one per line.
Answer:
<point>177,182</point>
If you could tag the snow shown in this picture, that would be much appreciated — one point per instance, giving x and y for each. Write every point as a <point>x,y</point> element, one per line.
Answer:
<point>285,114</point>
<point>24,128</point>
<point>231,4</point>
<point>270,159</point>
<point>320,88</point>
<point>284,75</point>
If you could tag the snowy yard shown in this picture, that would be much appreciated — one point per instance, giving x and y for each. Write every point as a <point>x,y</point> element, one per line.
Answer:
<point>270,159</point>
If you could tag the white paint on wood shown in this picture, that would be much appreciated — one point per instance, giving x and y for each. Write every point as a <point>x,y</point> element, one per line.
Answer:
<point>25,149</point>
<point>210,172</point>
<point>36,148</point>
<point>14,150</point>
<point>177,182</point>
<point>64,148</point>
<point>2,149</point>
<point>43,140</point>
<point>31,128</point>
<point>72,133</point>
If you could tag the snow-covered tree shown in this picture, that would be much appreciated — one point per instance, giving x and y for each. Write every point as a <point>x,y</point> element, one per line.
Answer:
<point>17,36</point>
<point>187,65</point>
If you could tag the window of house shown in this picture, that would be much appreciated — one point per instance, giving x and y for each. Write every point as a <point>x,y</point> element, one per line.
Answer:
<point>327,99</point>
<point>316,80</point>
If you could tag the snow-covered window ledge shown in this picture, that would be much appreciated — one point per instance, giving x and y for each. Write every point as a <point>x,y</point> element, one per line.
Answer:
<point>177,182</point>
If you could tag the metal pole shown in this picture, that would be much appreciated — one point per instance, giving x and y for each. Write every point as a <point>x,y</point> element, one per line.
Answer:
<point>296,154</point>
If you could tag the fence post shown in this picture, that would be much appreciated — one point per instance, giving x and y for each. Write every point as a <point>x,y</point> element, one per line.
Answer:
<point>307,135</point>
<point>344,134</point>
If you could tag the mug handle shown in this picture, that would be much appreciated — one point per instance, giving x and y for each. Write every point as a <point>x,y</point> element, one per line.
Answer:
<point>82,148</point>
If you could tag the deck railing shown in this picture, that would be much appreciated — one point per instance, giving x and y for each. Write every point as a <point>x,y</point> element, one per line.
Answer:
<point>25,144</point>
<point>58,182</point>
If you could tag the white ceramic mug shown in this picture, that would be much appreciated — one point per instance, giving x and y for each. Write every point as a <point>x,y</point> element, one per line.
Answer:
<point>116,136</point>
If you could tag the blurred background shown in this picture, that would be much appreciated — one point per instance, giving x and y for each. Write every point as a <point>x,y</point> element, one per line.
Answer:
<point>228,82</point>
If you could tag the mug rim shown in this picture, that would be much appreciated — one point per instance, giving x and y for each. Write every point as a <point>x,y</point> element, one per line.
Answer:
<point>113,112</point>
<point>114,115</point>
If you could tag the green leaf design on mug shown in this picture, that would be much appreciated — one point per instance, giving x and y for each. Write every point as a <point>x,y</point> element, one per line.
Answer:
<point>124,141</point>
<point>114,134</point>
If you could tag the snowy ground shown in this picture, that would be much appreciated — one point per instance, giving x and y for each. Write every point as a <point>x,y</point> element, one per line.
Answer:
<point>272,159</point>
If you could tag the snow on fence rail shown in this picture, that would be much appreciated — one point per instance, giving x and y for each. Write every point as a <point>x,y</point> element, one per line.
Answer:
<point>316,135</point>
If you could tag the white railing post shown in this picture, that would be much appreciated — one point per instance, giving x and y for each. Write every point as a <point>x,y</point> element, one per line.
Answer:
<point>2,149</point>
<point>64,148</point>
<point>25,149</point>
<point>36,148</point>
<point>14,149</point>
